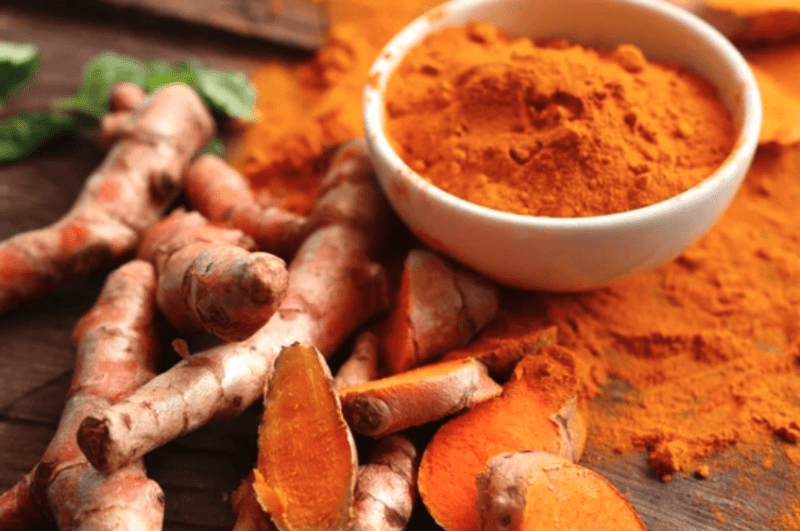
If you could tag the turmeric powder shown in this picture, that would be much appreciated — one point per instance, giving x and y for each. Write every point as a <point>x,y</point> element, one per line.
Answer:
<point>551,128</point>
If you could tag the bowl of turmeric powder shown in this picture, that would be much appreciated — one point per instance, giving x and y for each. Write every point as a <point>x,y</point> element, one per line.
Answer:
<point>560,145</point>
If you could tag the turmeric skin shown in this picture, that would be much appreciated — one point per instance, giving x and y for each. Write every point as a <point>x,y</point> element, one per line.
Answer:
<point>224,196</point>
<point>552,128</point>
<point>387,486</point>
<point>362,365</point>
<point>208,280</point>
<point>440,307</point>
<point>304,490</point>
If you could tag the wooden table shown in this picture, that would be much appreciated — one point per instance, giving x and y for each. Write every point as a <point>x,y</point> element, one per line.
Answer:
<point>198,471</point>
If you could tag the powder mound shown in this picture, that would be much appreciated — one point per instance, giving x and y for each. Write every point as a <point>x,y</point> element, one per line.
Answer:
<point>552,128</point>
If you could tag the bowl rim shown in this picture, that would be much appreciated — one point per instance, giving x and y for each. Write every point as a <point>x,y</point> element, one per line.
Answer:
<point>749,100</point>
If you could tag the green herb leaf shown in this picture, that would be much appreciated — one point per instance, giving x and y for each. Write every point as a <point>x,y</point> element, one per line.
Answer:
<point>18,63</point>
<point>99,77</point>
<point>215,147</point>
<point>21,135</point>
<point>228,93</point>
<point>160,73</point>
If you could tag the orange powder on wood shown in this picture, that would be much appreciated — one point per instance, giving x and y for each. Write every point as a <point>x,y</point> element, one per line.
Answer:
<point>703,353</point>
<point>551,128</point>
<point>305,107</point>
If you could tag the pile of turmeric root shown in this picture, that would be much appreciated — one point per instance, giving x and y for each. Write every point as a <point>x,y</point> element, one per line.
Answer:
<point>511,431</point>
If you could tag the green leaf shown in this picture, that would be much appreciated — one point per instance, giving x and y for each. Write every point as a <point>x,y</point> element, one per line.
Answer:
<point>99,77</point>
<point>21,135</point>
<point>18,63</point>
<point>215,147</point>
<point>160,73</point>
<point>228,93</point>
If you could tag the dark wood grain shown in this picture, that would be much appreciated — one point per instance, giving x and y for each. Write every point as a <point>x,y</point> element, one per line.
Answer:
<point>198,471</point>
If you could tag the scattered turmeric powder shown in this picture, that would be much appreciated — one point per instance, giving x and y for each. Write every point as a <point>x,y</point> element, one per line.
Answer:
<point>552,128</point>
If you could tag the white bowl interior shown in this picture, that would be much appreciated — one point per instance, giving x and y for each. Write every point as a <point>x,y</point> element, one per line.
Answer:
<point>566,254</point>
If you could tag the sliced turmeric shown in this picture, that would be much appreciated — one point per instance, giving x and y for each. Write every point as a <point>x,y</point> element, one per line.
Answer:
<point>307,465</point>
<point>209,280</point>
<point>539,491</point>
<point>440,307</point>
<point>416,397</point>
<point>249,514</point>
<point>537,411</point>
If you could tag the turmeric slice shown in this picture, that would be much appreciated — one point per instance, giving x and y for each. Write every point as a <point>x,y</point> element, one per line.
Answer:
<point>387,486</point>
<point>416,397</point>
<point>440,307</point>
<point>139,179</point>
<point>537,411</point>
<point>209,280</point>
<point>307,465</point>
<point>539,491</point>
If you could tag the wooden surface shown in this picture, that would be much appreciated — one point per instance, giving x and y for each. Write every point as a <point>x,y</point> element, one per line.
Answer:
<point>198,471</point>
<point>300,23</point>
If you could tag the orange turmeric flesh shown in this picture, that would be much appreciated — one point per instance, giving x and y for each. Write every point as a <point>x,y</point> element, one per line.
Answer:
<point>538,491</point>
<point>307,458</point>
<point>535,412</point>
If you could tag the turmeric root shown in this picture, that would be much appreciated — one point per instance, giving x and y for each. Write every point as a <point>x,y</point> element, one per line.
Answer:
<point>249,514</point>
<point>501,354</point>
<point>334,286</point>
<point>209,280</point>
<point>129,192</point>
<point>537,411</point>
<point>224,196</point>
<point>416,397</point>
<point>116,350</point>
<point>362,365</point>
<point>387,486</point>
<point>539,491</point>
<point>439,308</point>
<point>125,97</point>
<point>302,489</point>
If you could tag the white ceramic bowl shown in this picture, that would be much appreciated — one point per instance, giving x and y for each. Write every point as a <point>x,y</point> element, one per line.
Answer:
<point>571,254</point>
